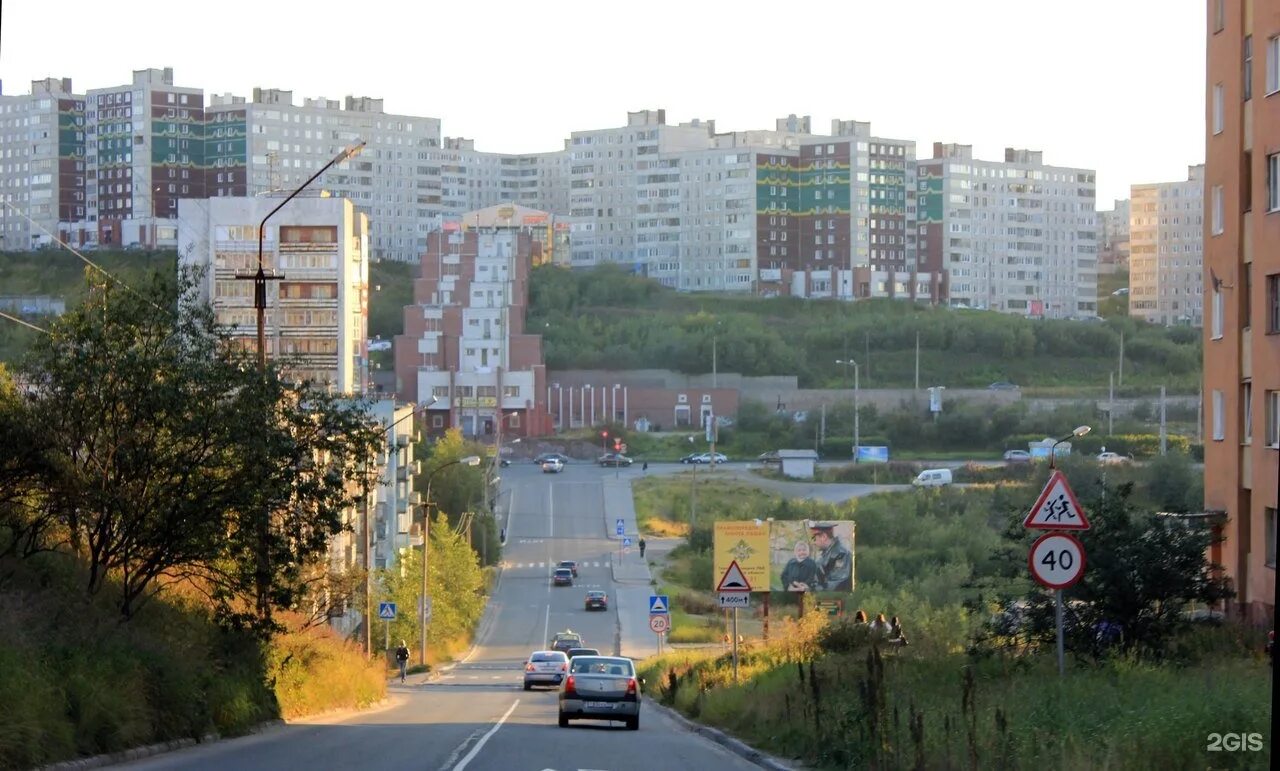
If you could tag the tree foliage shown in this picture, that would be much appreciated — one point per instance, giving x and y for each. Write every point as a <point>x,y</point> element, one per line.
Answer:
<point>168,456</point>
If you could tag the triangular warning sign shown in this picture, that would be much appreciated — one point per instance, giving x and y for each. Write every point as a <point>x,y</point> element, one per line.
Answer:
<point>734,580</point>
<point>657,604</point>
<point>1057,507</point>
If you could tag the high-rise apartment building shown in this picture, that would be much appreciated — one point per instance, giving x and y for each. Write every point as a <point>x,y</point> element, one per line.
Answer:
<point>144,153</point>
<point>1113,235</point>
<point>1016,235</point>
<point>1166,240</point>
<point>42,164</point>
<point>464,340</point>
<point>317,311</point>
<point>1242,295</point>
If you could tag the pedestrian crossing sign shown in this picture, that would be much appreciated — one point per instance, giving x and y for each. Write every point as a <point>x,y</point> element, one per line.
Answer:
<point>387,611</point>
<point>659,603</point>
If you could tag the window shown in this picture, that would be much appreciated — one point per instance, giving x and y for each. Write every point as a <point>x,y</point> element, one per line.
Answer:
<point>1271,536</point>
<point>1273,65</point>
<point>1246,306</point>
<point>1273,303</point>
<point>1246,412</point>
<point>1219,411</point>
<point>1217,314</point>
<point>1273,182</point>
<point>1273,419</point>
<point>1217,210</point>
<point>1218,108</point>
<point>437,421</point>
<point>1219,15</point>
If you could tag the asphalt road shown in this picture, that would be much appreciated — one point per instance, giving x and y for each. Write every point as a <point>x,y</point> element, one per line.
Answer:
<point>476,715</point>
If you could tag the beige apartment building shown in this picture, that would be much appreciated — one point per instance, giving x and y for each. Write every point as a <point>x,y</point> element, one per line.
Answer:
<point>1166,250</point>
<point>1242,295</point>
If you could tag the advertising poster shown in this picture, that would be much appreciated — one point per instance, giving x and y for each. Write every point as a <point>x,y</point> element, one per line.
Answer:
<point>746,542</point>
<point>812,556</point>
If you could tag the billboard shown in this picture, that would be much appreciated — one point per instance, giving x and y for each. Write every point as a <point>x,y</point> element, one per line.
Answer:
<point>873,454</point>
<point>747,542</point>
<point>812,556</point>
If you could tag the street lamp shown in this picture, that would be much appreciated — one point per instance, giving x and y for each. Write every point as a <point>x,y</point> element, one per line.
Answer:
<point>470,460</point>
<point>260,278</point>
<point>856,436</point>
<point>1079,431</point>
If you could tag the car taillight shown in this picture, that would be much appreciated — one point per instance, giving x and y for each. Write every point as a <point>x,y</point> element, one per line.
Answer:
<point>631,686</point>
<point>529,667</point>
<point>568,685</point>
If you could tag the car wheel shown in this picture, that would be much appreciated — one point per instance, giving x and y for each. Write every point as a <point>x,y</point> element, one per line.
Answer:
<point>633,723</point>
<point>564,720</point>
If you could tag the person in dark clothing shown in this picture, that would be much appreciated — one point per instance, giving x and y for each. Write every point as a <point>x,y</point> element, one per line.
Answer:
<point>402,659</point>
<point>801,573</point>
<point>642,545</point>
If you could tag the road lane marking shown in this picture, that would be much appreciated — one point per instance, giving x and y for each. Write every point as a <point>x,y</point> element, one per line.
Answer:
<point>480,744</point>
<point>511,513</point>
<point>546,625</point>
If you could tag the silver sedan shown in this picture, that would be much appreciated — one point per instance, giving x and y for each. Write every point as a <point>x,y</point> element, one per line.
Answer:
<point>601,688</point>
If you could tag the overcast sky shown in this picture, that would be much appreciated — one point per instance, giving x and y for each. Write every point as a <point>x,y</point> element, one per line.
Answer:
<point>1114,85</point>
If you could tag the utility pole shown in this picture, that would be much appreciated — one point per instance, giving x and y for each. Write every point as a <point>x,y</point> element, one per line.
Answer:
<point>1111,402</point>
<point>1164,437</point>
<point>917,361</point>
<point>368,565</point>
<point>1121,367</point>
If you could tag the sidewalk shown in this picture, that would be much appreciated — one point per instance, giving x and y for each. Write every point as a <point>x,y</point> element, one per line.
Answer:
<point>630,573</point>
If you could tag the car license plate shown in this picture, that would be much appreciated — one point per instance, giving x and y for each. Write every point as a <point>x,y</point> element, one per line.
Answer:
<point>600,705</point>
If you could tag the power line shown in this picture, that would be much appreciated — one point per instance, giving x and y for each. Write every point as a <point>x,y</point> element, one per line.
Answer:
<point>74,251</point>
<point>4,315</point>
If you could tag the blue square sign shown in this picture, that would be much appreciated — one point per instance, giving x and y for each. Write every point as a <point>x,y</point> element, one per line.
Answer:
<point>387,610</point>
<point>659,603</point>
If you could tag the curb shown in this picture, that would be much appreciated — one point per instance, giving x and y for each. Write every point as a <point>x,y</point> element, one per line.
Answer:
<point>150,750</point>
<point>736,746</point>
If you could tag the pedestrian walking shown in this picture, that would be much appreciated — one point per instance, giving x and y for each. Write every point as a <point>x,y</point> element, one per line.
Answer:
<point>402,659</point>
<point>879,629</point>
<point>896,635</point>
<point>642,545</point>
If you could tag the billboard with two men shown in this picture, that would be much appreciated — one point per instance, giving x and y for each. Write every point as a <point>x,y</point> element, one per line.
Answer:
<point>811,556</point>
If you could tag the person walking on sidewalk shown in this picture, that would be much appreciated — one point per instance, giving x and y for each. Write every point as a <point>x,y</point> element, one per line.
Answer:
<point>402,659</point>
<point>642,544</point>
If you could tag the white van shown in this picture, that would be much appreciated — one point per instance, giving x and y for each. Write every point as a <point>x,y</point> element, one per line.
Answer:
<point>933,477</point>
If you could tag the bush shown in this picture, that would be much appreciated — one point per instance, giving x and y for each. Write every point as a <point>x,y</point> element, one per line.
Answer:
<point>315,672</point>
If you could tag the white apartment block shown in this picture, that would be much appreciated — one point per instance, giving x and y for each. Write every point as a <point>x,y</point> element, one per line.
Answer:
<point>144,152</point>
<point>317,313</point>
<point>1166,250</point>
<point>270,143</point>
<point>392,528</point>
<point>1016,236</point>
<point>42,164</point>
<point>1113,233</point>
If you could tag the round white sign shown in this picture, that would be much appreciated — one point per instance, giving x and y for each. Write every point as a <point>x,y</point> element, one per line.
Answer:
<point>659,623</point>
<point>1056,560</point>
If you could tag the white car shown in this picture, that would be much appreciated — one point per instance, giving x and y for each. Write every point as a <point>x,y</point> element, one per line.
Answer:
<point>552,466</point>
<point>1112,458</point>
<point>706,458</point>
<point>545,668</point>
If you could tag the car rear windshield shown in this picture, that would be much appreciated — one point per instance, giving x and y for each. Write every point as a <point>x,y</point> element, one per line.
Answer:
<point>595,594</point>
<point>548,656</point>
<point>603,666</point>
<point>563,572</point>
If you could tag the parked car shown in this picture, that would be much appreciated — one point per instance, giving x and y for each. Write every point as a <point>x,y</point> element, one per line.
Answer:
<point>575,652</point>
<point>614,459</point>
<point>1112,458</point>
<point>596,600</point>
<point>571,564</point>
<point>562,577</point>
<point>771,456</point>
<point>545,668</point>
<point>546,456</point>
<point>564,641</point>
<point>1002,385</point>
<point>552,466</point>
<point>1121,292</point>
<point>706,457</point>
<point>601,688</point>
<point>1017,456</point>
<point>690,457</point>
<point>933,477</point>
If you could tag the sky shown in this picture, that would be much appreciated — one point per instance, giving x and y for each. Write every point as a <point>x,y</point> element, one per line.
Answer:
<point>1112,85</point>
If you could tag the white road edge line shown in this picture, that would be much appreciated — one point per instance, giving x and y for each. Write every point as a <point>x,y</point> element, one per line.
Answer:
<point>546,625</point>
<point>462,764</point>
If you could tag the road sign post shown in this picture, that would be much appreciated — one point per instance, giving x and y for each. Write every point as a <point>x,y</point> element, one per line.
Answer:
<point>1057,559</point>
<point>734,582</point>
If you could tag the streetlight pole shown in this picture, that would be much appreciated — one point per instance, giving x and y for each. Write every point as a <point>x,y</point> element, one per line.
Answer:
<point>262,578</point>
<point>1078,432</point>
<point>856,418</point>
<point>470,460</point>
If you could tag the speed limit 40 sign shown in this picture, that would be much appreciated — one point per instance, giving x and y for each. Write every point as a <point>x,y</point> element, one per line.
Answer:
<point>1056,560</point>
